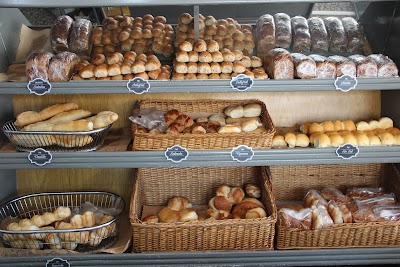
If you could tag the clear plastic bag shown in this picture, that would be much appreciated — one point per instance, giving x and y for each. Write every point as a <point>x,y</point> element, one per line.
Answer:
<point>387,212</point>
<point>386,199</point>
<point>320,217</point>
<point>332,193</point>
<point>361,213</point>
<point>359,193</point>
<point>151,118</point>
<point>295,219</point>
<point>312,198</point>
<point>339,213</point>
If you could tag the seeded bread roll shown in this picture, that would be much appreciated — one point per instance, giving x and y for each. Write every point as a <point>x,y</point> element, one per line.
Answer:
<point>337,35</point>
<point>301,35</point>
<point>265,32</point>
<point>386,66</point>
<point>325,67</point>
<point>344,66</point>
<point>319,35</point>
<point>366,67</point>
<point>283,30</point>
<point>59,33</point>
<point>355,35</point>
<point>80,36</point>
<point>304,66</point>
<point>279,64</point>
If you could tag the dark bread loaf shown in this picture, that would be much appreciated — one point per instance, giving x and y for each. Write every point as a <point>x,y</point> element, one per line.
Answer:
<point>386,66</point>
<point>37,64</point>
<point>80,36</point>
<point>319,35</point>
<point>355,35</point>
<point>265,29</point>
<point>326,68</point>
<point>304,66</point>
<point>279,64</point>
<point>283,30</point>
<point>59,33</point>
<point>337,35</point>
<point>301,35</point>
<point>366,67</point>
<point>344,66</point>
<point>62,66</point>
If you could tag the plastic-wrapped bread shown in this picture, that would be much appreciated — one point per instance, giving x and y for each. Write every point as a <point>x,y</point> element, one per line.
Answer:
<point>62,66</point>
<point>334,194</point>
<point>279,64</point>
<point>337,36</point>
<point>283,30</point>
<point>325,67</point>
<point>304,66</point>
<point>265,32</point>
<point>355,35</point>
<point>386,66</point>
<point>59,33</point>
<point>366,67</point>
<point>294,219</point>
<point>80,37</point>
<point>301,35</point>
<point>37,64</point>
<point>344,66</point>
<point>321,217</point>
<point>314,198</point>
<point>319,35</point>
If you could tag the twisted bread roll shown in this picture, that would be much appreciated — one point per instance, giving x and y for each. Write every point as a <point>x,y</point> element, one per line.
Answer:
<point>84,220</point>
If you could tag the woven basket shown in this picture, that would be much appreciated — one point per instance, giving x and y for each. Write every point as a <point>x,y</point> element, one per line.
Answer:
<point>154,186</point>
<point>146,141</point>
<point>293,182</point>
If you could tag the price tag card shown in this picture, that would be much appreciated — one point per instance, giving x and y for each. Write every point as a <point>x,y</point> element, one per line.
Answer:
<point>347,151</point>
<point>346,83</point>
<point>138,86</point>
<point>242,153</point>
<point>57,262</point>
<point>241,82</point>
<point>176,154</point>
<point>40,157</point>
<point>39,86</point>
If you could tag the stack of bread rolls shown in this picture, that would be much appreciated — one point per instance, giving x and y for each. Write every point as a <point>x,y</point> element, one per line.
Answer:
<point>116,66</point>
<point>65,117</point>
<point>243,119</point>
<point>61,218</point>
<point>228,33</point>
<point>204,60</point>
<point>140,34</point>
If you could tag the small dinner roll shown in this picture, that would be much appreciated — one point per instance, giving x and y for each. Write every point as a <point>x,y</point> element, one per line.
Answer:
<point>322,141</point>
<point>210,31</point>
<point>182,56</point>
<point>203,68</point>
<point>214,76</point>
<point>221,30</point>
<point>228,42</point>
<point>200,46</point>
<point>193,56</point>
<point>238,67</point>
<point>101,71</point>
<point>256,62</point>
<point>224,76</point>
<point>138,67</point>
<point>210,20</point>
<point>154,74</point>
<point>249,74</point>
<point>246,61</point>
<point>205,57</point>
<point>238,54</point>
<point>185,18</point>
<point>363,126</point>
<point>290,139</point>
<point>239,45</point>
<point>186,46</point>
<point>226,67</point>
<point>228,56</point>
<point>98,59</point>
<point>385,123</point>
<point>181,67</point>
<point>217,56</point>
<point>202,76</point>
<point>387,139</point>
<point>192,67</point>
<point>178,76</point>
<point>375,141</point>
<point>212,46</point>
<point>191,76</point>
<point>279,141</point>
<point>373,124</point>
<point>215,67</point>
<point>152,65</point>
<point>238,35</point>
<point>142,75</point>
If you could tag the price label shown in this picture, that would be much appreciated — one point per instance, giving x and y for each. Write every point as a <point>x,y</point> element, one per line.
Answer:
<point>57,262</point>
<point>242,153</point>
<point>176,154</point>
<point>346,83</point>
<point>39,86</point>
<point>40,157</point>
<point>138,86</point>
<point>347,151</point>
<point>241,82</point>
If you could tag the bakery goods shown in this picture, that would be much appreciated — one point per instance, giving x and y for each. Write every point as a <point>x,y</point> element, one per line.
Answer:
<point>386,66</point>
<point>279,64</point>
<point>355,35</point>
<point>59,33</point>
<point>301,35</point>
<point>294,219</point>
<point>265,32</point>
<point>37,64</point>
<point>337,35</point>
<point>234,111</point>
<point>62,66</point>
<point>304,66</point>
<point>325,67</point>
<point>80,37</point>
<point>103,119</point>
<point>283,30</point>
<point>344,66</point>
<point>366,67</point>
<point>319,35</point>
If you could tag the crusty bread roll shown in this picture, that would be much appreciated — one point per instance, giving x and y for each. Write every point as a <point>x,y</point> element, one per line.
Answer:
<point>362,139</point>
<point>150,219</point>
<point>328,126</point>
<point>279,141</point>
<point>250,125</point>
<point>349,138</point>
<point>363,126</point>
<point>256,213</point>
<point>302,140</point>
<point>229,129</point>
<point>234,111</point>
<point>251,110</point>
<point>315,128</point>
<point>188,215</point>
<point>219,118</point>
<point>349,125</point>
<point>385,123</point>
<point>387,139</point>
<point>167,215</point>
<point>336,140</point>
<point>179,203</point>
<point>322,141</point>
<point>290,139</point>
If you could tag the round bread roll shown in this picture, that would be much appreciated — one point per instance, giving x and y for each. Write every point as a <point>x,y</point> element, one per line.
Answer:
<point>212,46</point>
<point>182,56</point>
<point>186,46</point>
<point>200,46</point>
<point>252,110</point>
<point>154,74</point>
<point>315,128</point>
<point>327,126</point>
<point>87,72</point>
<point>192,67</point>
<point>362,139</point>
<point>238,35</point>
<point>374,140</point>
<point>250,125</point>
<point>302,140</point>
<point>226,67</point>
<point>142,75</point>
<point>279,141</point>
<point>163,76</point>
<point>349,138</point>
<point>202,76</point>
<point>238,67</point>
<point>234,111</point>
<point>117,77</point>
<point>138,67</point>
<point>228,42</point>
<point>188,215</point>
<point>387,139</point>
<point>393,130</point>
<point>238,55</point>
<point>203,68</point>
<point>128,76</point>
<point>338,125</point>
<point>221,30</point>
<point>225,76</point>
<point>256,62</point>
<point>231,29</point>
<point>152,65</point>
<point>191,76</point>
<point>183,28</point>
<point>349,125</point>
<point>239,45</point>
<point>114,70</point>
<point>148,17</point>
<point>181,67</point>
<point>210,20</point>
<point>229,129</point>
<point>100,71</point>
<point>363,126</point>
<point>167,215</point>
<point>229,56</point>
<point>214,76</point>
<point>385,123</point>
<point>373,124</point>
<point>160,19</point>
<point>205,57</point>
<point>336,140</point>
<point>202,25</point>
<point>178,76</point>
<point>290,139</point>
<point>215,68</point>
<point>217,56</point>
<point>98,59</point>
<point>97,50</point>
<point>193,56</point>
<point>185,18</point>
<point>260,75</point>
<point>246,61</point>
<point>322,141</point>
<point>249,74</point>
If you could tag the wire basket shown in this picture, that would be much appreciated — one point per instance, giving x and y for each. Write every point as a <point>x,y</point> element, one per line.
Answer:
<point>55,141</point>
<point>82,239</point>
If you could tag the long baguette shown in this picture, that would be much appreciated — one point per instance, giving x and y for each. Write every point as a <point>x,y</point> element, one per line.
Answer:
<point>70,126</point>
<point>103,118</point>
<point>71,115</point>
<point>27,117</point>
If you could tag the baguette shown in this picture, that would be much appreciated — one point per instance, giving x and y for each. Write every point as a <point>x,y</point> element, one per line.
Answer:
<point>103,119</point>
<point>69,126</point>
<point>56,109</point>
<point>71,115</point>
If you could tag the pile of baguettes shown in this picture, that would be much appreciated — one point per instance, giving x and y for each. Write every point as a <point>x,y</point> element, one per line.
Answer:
<point>65,117</point>
<point>61,219</point>
<point>229,203</point>
<point>336,133</point>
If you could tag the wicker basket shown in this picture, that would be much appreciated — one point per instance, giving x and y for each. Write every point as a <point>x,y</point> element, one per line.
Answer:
<point>293,182</point>
<point>155,186</point>
<point>146,141</point>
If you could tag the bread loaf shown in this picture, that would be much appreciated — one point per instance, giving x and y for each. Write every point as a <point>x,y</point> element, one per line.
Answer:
<point>344,66</point>
<point>80,36</point>
<point>59,33</point>
<point>62,66</point>
<point>283,30</point>
<point>279,64</point>
<point>265,32</point>
<point>37,64</point>
<point>325,67</point>
<point>386,66</point>
<point>355,35</point>
<point>294,219</point>
<point>337,36</point>
<point>319,35</point>
<point>301,35</point>
<point>304,66</point>
<point>366,67</point>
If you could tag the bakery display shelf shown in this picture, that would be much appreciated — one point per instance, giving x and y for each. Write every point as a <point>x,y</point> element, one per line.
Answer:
<point>91,3</point>
<point>201,86</point>
<point>156,159</point>
<point>322,257</point>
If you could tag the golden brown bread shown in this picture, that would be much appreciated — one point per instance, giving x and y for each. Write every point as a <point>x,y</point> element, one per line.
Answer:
<point>102,119</point>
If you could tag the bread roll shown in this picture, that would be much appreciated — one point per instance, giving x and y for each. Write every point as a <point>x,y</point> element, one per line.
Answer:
<point>322,141</point>
<point>290,139</point>
<point>302,140</point>
<point>234,111</point>
<point>179,203</point>
<point>250,125</point>
<point>362,139</point>
<point>349,125</point>
<point>349,138</point>
<point>251,110</point>
<point>375,141</point>
<point>387,139</point>
<point>279,64</point>
<point>279,141</point>
<point>363,126</point>
<point>218,118</point>
<point>229,129</point>
<point>301,35</point>
<point>315,128</point>
<point>385,123</point>
<point>167,215</point>
<point>188,215</point>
